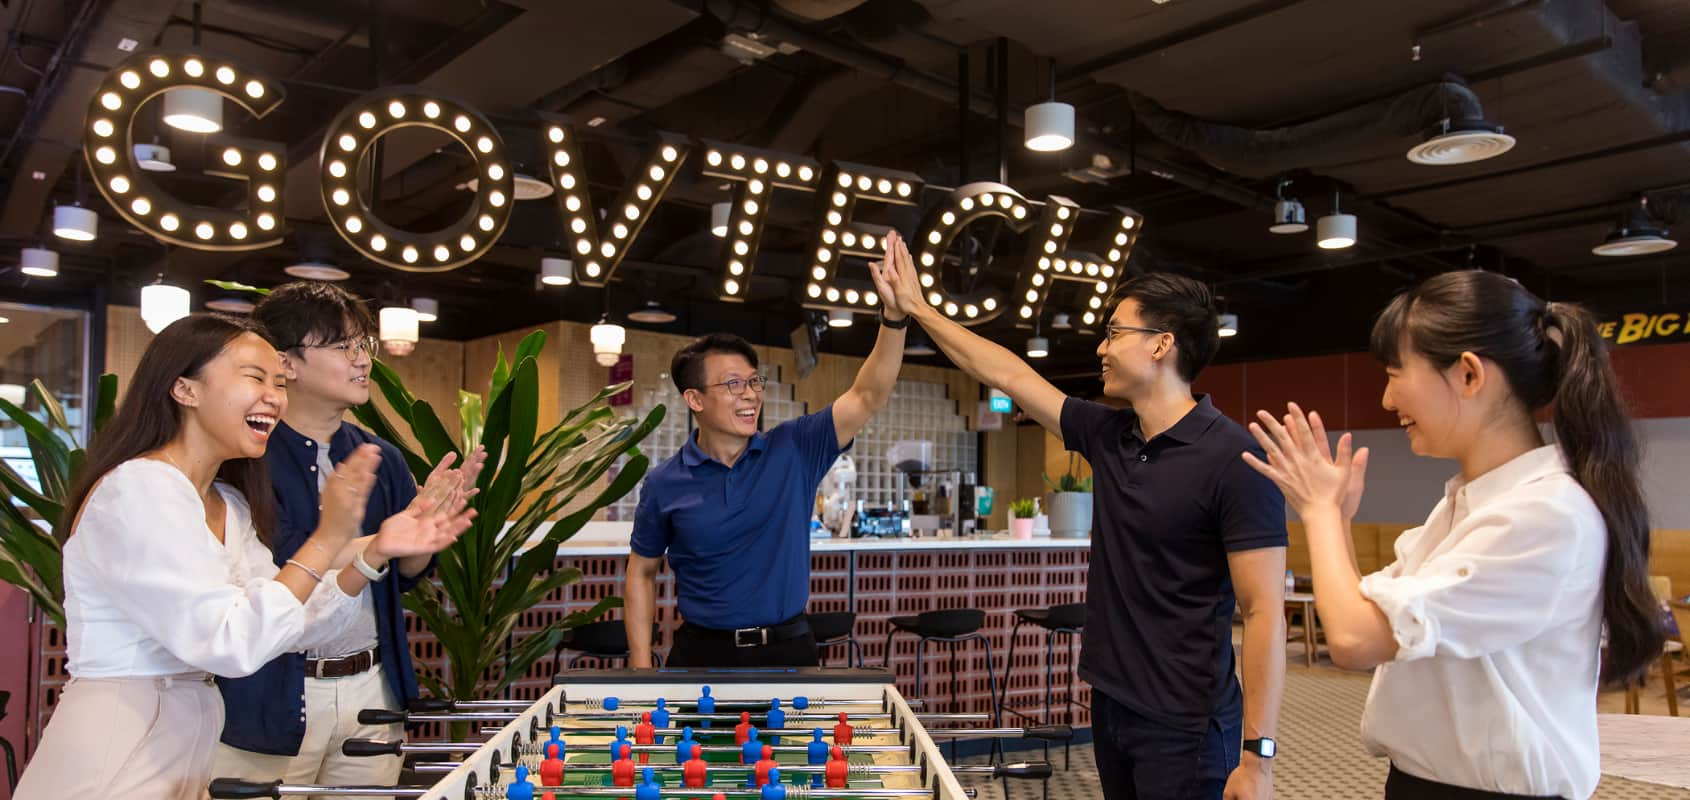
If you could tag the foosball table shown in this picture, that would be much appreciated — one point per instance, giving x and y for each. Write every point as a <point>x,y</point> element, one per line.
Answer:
<point>768,734</point>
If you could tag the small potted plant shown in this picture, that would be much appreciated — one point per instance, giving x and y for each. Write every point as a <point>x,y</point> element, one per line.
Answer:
<point>1070,502</point>
<point>1021,514</point>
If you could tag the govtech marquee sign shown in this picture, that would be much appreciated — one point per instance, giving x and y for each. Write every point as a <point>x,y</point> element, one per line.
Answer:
<point>598,242</point>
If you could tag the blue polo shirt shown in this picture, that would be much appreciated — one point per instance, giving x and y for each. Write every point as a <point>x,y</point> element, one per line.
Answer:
<point>1159,597</point>
<point>738,538</point>
<point>265,712</point>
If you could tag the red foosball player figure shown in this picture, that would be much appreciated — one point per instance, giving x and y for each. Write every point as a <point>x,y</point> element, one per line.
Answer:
<point>694,774</point>
<point>551,772</point>
<point>742,731</point>
<point>837,768</point>
<point>622,771</point>
<point>766,763</point>
<point>842,731</point>
<point>645,733</point>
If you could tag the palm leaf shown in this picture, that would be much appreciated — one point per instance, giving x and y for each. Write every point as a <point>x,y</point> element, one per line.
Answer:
<point>105,400</point>
<point>50,404</point>
<point>470,415</point>
<point>237,286</point>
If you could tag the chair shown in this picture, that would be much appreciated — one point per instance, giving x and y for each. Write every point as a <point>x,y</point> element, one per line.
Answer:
<point>605,640</point>
<point>953,627</point>
<point>833,628</point>
<point>1061,620</point>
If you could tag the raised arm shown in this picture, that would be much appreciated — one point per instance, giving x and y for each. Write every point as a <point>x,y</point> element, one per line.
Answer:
<point>988,362</point>
<point>872,389</point>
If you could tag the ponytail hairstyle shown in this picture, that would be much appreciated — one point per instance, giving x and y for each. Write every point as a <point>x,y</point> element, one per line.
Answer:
<point>1551,354</point>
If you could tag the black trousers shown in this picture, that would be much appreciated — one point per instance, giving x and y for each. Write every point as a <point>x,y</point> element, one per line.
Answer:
<point>695,649</point>
<point>1403,786</point>
<point>1140,759</point>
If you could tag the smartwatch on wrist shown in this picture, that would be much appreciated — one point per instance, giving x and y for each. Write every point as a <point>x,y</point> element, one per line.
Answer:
<point>366,570</point>
<point>1264,747</point>
<point>894,324</point>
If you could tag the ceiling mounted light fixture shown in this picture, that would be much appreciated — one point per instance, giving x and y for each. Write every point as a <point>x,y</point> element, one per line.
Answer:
<point>75,223</point>
<point>607,338</point>
<point>399,334</point>
<point>1460,141</point>
<point>193,110</point>
<point>1038,347</point>
<point>1050,125</point>
<point>918,345</point>
<point>1636,233</point>
<point>557,271</point>
<point>316,271</point>
<point>1336,230</point>
<point>162,304</point>
<point>1060,322</point>
<point>524,187</point>
<point>427,308</point>
<point>719,216</point>
<point>153,158</point>
<point>839,318</point>
<point>39,262</point>
<point>1228,326</point>
<point>1289,216</point>
<point>230,305</point>
<point>653,314</point>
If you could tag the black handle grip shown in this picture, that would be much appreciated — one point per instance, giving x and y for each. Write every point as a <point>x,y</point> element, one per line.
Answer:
<point>237,789</point>
<point>1026,770</point>
<point>429,705</point>
<point>360,748</point>
<point>381,716</point>
<point>1054,733</point>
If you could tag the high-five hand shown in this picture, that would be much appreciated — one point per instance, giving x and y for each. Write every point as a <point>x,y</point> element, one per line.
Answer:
<point>1304,466</point>
<point>895,277</point>
<point>894,306</point>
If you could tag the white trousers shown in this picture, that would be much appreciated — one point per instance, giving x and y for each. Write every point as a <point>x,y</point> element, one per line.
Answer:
<point>131,738</point>
<point>331,717</point>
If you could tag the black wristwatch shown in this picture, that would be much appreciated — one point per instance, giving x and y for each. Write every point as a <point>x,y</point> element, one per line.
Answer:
<point>1264,747</point>
<point>897,325</point>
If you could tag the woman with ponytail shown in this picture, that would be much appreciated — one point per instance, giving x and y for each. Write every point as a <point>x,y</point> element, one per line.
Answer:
<point>1487,629</point>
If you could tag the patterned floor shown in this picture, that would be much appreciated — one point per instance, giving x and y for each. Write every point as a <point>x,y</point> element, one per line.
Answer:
<point>1323,760</point>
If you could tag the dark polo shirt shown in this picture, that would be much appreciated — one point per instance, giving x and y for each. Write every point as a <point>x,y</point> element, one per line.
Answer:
<point>1159,597</point>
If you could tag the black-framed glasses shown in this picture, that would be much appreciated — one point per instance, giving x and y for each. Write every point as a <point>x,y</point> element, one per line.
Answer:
<point>1116,330</point>
<point>737,386</point>
<point>351,348</point>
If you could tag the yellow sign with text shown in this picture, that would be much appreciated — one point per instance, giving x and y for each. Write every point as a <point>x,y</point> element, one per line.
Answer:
<point>1646,328</point>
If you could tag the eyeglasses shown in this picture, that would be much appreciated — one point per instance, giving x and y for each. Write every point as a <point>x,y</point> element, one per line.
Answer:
<point>737,386</point>
<point>1116,330</point>
<point>351,348</point>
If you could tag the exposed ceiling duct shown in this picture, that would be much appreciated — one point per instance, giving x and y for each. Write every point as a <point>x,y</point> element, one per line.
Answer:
<point>1337,138</point>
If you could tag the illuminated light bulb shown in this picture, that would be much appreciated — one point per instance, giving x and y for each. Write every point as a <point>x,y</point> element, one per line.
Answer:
<point>845,179</point>
<point>105,155</point>
<point>1044,262</point>
<point>608,250</point>
<point>341,197</point>
<point>883,186</point>
<point>736,267</point>
<point>1127,223</point>
<point>442,252</point>
<point>1032,296</point>
<point>1019,212</point>
<point>159,67</point>
<point>989,303</point>
<point>839,198</point>
<point>737,162</point>
<point>592,269</point>
<point>353,225</point>
<point>484,144</point>
<point>824,256</point>
<point>1050,247</point>
<point>378,243</point>
<point>1056,230</point>
<point>849,238</point>
<point>805,173</point>
<point>103,128</point>
<point>566,180</point>
<point>431,109</point>
<point>204,230</point>
<point>731,285</point>
<point>141,205</point>
<point>1095,302</point>
<point>396,109</point>
<point>871,299</point>
<point>813,290</point>
<point>348,142</point>
<point>934,299</point>
<point>555,134</point>
<point>950,308</point>
<point>485,222</point>
<point>829,236</point>
<point>926,280</point>
<point>254,89</point>
<point>971,311</point>
<point>927,259</point>
<point>232,157</point>
<point>266,221</point>
<point>119,184</point>
<point>169,222</point>
<point>760,166</point>
<point>410,254</point>
<point>1114,255</point>
<point>713,158</point>
<point>966,203</point>
<point>111,101</point>
<point>1108,271</point>
<point>935,237</point>
<point>560,158</point>
<point>986,200</point>
<point>194,67</point>
<point>584,247</point>
<point>643,192</point>
<point>572,203</point>
<point>904,189</point>
<point>1089,318</point>
<point>1062,212</point>
<point>337,169</point>
<point>461,123</point>
<point>1038,280</point>
<point>619,231</point>
<point>496,199</point>
<point>1121,239</point>
<point>865,183</point>
<point>656,173</point>
<point>267,162</point>
<point>851,296</point>
<point>751,206</point>
<point>130,79</point>
<point>755,186</point>
<point>225,75</point>
<point>741,248</point>
<point>631,211</point>
<point>1005,201</point>
<point>670,153</point>
<point>947,218</point>
<point>1026,312</point>
<point>746,228</point>
<point>833,294</point>
<point>578,225</point>
<point>495,172</point>
<point>834,218</point>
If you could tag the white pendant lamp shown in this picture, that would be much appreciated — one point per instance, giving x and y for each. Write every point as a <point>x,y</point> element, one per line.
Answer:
<point>1336,230</point>
<point>1038,347</point>
<point>162,304</point>
<point>719,213</point>
<point>39,262</point>
<point>1229,325</point>
<point>75,223</point>
<point>1050,127</point>
<point>399,333</point>
<point>557,271</point>
<point>154,158</point>
<point>839,318</point>
<point>607,340</point>
<point>193,110</point>
<point>427,308</point>
<point>316,271</point>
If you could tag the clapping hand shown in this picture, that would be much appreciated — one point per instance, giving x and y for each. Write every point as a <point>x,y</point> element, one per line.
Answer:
<point>1300,461</point>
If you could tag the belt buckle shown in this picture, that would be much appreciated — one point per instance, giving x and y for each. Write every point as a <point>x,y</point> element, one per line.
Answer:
<point>761,638</point>
<point>321,663</point>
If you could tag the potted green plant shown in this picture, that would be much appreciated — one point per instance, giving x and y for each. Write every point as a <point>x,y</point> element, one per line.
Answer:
<point>1021,514</point>
<point>1070,502</point>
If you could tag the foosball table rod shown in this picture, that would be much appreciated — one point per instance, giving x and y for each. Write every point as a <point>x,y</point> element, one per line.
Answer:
<point>425,705</point>
<point>383,716</point>
<point>370,747</point>
<point>1053,733</point>
<point>1026,770</point>
<point>235,789</point>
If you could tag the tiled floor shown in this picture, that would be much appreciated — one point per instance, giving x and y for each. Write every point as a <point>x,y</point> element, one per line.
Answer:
<point>1323,758</point>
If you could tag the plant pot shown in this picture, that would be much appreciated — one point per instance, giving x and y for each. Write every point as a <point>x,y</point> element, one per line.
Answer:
<point>1021,528</point>
<point>1070,515</point>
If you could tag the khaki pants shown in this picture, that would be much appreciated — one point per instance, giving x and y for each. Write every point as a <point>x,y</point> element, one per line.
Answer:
<point>131,738</point>
<point>331,717</point>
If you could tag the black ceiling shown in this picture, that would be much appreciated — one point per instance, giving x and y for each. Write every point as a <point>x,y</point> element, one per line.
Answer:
<point>1595,93</point>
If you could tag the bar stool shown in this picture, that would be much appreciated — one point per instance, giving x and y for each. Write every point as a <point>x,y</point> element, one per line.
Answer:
<point>605,640</point>
<point>835,628</point>
<point>1062,620</point>
<point>954,627</point>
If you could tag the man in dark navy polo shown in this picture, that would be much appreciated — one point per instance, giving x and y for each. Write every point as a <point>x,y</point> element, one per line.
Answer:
<point>287,721</point>
<point>732,509</point>
<point>1183,531</point>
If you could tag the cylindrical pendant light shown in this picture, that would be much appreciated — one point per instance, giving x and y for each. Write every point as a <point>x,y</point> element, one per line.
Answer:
<point>162,304</point>
<point>193,110</point>
<point>1229,325</point>
<point>399,330</point>
<point>1038,347</point>
<point>607,340</point>
<point>39,262</point>
<point>557,271</point>
<point>1050,127</point>
<point>839,318</point>
<point>427,308</point>
<point>719,213</point>
<point>75,223</point>
<point>1336,230</point>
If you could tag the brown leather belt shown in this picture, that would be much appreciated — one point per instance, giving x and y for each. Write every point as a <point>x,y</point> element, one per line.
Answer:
<point>355,664</point>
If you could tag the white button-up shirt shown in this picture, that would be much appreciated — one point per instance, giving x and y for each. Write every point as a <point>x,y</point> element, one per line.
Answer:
<point>150,591</point>
<point>1496,605</point>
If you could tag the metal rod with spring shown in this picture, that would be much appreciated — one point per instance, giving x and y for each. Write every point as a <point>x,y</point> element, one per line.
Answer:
<point>372,747</point>
<point>1033,770</point>
<point>233,789</point>
<point>382,716</point>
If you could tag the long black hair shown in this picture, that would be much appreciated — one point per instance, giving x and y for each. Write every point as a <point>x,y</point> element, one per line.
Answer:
<point>149,417</point>
<point>1551,353</point>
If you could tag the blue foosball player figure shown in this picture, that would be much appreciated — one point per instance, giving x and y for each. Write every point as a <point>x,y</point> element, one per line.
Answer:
<point>816,756</point>
<point>773,790</point>
<point>648,789</point>
<point>555,743</point>
<point>520,789</point>
<point>706,704</point>
<point>776,719</point>
<point>660,717</point>
<point>683,745</point>
<point>751,750</point>
<point>621,739</point>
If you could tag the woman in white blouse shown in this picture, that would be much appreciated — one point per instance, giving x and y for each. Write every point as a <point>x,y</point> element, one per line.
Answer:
<point>1487,630</point>
<point>167,577</point>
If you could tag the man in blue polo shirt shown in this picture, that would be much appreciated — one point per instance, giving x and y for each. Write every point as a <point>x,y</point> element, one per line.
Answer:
<point>1183,531</point>
<point>288,721</point>
<point>732,509</point>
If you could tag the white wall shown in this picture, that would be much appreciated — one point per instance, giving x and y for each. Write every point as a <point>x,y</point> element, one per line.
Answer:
<point>1403,487</point>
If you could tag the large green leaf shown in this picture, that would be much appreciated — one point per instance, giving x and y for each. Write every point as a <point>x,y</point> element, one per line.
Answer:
<point>13,573</point>
<point>105,400</point>
<point>393,389</point>
<point>470,416</point>
<point>522,399</point>
<point>371,417</point>
<point>237,286</point>
<point>529,347</point>
<point>50,404</point>
<point>39,435</point>
<point>501,374</point>
<point>17,487</point>
<point>38,551</point>
<point>430,433</point>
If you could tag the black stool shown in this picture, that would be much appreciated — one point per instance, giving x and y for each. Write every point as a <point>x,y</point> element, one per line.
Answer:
<point>951,626</point>
<point>605,640</point>
<point>834,628</point>
<point>1064,620</point>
